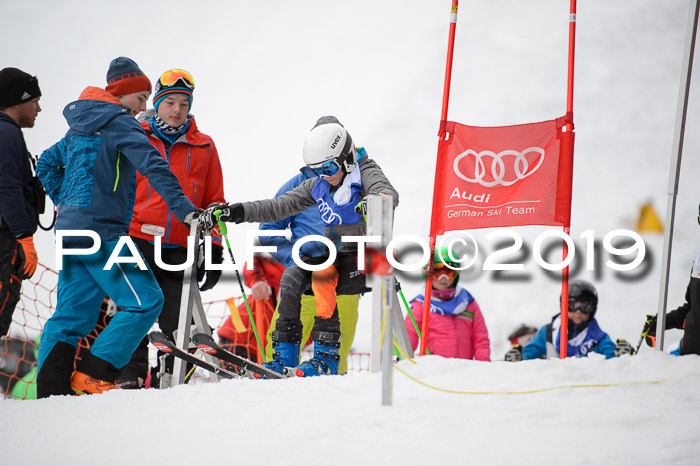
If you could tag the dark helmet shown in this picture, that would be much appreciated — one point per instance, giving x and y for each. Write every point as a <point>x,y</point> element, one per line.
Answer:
<point>581,290</point>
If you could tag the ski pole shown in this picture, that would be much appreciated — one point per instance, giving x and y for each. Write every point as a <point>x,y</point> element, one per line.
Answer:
<point>410,314</point>
<point>224,231</point>
<point>644,334</point>
<point>641,339</point>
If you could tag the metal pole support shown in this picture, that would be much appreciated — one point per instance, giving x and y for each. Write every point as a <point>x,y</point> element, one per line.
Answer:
<point>190,307</point>
<point>380,221</point>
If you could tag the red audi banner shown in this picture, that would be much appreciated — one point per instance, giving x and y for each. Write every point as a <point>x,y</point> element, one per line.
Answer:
<point>503,176</point>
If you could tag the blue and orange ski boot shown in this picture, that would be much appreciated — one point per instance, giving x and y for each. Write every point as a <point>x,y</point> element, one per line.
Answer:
<point>326,358</point>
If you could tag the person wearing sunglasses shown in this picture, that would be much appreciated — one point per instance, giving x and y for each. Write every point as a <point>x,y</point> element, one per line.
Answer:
<point>456,328</point>
<point>584,333</point>
<point>192,156</point>
<point>90,175</point>
<point>19,208</point>
<point>345,175</point>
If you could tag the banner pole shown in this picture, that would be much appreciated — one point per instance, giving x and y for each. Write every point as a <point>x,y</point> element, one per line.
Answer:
<point>563,334</point>
<point>442,132</point>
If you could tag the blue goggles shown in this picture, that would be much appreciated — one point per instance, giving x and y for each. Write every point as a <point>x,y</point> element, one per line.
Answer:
<point>327,168</point>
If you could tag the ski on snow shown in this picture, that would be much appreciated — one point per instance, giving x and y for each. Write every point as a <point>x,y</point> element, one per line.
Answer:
<point>166,345</point>
<point>207,344</point>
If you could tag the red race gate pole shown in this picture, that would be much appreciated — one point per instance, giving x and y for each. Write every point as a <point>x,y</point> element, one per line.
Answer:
<point>563,334</point>
<point>441,135</point>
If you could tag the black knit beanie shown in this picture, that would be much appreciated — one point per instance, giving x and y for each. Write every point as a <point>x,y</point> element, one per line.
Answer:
<point>17,87</point>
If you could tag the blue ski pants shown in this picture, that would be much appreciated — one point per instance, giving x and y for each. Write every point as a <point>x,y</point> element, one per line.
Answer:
<point>82,286</point>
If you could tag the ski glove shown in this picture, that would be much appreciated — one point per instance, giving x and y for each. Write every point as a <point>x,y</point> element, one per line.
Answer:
<point>361,208</point>
<point>229,213</point>
<point>28,257</point>
<point>195,214</point>
<point>622,346</point>
<point>232,213</point>
<point>217,257</point>
<point>515,353</point>
<point>649,330</point>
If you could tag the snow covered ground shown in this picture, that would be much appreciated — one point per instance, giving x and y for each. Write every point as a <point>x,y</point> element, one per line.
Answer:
<point>339,420</point>
<point>265,73</point>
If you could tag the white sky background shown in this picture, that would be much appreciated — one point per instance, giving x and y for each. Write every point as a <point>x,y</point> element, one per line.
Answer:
<point>266,71</point>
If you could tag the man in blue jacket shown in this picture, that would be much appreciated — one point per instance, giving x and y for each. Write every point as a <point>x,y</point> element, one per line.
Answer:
<point>90,175</point>
<point>19,107</point>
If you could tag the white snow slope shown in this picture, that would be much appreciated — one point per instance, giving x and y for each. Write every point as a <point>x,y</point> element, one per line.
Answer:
<point>265,72</point>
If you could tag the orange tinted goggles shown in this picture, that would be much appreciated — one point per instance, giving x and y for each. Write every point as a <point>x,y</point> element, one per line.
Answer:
<point>169,78</point>
<point>441,270</point>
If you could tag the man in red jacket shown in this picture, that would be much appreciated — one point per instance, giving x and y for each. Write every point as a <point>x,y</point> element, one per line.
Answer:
<point>193,158</point>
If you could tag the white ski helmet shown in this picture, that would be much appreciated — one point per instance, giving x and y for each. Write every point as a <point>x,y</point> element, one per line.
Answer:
<point>329,141</point>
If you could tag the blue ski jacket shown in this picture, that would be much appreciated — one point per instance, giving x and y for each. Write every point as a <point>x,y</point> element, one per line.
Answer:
<point>545,343</point>
<point>90,174</point>
<point>306,223</point>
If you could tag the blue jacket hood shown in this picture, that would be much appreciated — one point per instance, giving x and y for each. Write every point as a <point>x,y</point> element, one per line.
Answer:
<point>88,116</point>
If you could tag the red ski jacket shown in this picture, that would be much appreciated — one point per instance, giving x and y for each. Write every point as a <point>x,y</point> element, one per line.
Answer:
<point>194,160</point>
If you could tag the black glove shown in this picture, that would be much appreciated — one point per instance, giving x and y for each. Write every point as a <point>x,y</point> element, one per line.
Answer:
<point>195,214</point>
<point>208,220</point>
<point>229,213</point>
<point>649,330</point>
<point>217,257</point>
<point>232,213</point>
<point>361,208</point>
<point>622,346</point>
<point>515,353</point>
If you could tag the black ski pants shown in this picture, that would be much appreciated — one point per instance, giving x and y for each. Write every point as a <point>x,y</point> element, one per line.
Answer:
<point>10,284</point>
<point>297,281</point>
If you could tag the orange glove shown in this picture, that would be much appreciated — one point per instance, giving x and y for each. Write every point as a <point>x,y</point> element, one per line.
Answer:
<point>30,257</point>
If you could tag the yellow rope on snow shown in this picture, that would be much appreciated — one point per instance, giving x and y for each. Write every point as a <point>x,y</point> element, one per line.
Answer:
<point>526,392</point>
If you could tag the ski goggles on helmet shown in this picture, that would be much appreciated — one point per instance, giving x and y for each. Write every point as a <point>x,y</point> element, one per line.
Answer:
<point>327,168</point>
<point>169,78</point>
<point>585,307</point>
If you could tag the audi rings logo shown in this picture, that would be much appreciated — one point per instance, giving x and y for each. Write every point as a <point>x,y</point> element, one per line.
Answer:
<point>500,171</point>
<point>327,215</point>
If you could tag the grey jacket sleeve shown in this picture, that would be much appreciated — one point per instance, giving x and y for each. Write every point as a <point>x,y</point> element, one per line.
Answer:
<point>375,182</point>
<point>290,203</point>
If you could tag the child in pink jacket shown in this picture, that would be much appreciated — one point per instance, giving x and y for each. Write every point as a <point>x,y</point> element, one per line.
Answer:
<point>456,327</point>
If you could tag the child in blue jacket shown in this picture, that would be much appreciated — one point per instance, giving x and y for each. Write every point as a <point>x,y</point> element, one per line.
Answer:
<point>584,333</point>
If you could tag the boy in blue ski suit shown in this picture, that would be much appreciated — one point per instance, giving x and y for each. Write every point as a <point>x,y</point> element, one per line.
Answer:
<point>584,333</point>
<point>90,175</point>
